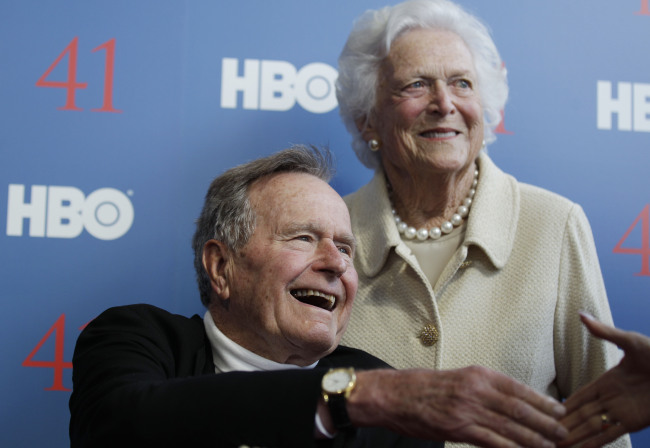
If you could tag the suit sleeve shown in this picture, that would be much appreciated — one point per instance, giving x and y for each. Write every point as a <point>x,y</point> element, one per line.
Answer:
<point>133,387</point>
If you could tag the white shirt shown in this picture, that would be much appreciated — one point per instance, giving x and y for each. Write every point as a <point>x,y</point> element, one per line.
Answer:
<point>229,356</point>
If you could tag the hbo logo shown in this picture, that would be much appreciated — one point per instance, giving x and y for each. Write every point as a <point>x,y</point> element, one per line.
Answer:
<point>63,212</point>
<point>277,85</point>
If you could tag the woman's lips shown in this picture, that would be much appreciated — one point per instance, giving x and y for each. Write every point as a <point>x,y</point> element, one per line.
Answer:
<point>439,134</point>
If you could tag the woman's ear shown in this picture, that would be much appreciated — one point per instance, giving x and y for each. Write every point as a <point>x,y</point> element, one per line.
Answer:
<point>216,258</point>
<point>361,123</point>
<point>366,127</point>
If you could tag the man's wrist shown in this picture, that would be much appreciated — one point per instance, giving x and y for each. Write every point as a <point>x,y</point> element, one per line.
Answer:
<point>367,404</point>
<point>337,385</point>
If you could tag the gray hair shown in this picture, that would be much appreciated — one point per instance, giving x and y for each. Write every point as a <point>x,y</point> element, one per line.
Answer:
<point>369,43</point>
<point>227,214</point>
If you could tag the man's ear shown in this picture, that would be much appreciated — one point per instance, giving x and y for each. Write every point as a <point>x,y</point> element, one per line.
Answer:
<point>216,260</point>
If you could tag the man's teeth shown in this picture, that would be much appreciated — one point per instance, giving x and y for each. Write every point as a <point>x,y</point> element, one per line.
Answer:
<point>313,297</point>
<point>432,134</point>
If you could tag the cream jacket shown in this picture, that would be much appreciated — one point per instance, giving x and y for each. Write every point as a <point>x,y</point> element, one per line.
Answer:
<point>508,299</point>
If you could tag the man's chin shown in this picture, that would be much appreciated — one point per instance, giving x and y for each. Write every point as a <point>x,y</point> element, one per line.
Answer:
<point>310,350</point>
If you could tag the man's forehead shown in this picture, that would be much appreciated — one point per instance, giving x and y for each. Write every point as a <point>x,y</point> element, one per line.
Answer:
<point>303,196</point>
<point>284,185</point>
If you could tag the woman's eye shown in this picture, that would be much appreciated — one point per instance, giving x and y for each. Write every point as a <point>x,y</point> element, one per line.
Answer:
<point>305,238</point>
<point>464,84</point>
<point>416,88</point>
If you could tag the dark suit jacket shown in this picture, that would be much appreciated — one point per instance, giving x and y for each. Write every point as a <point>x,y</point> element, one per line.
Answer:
<point>143,377</point>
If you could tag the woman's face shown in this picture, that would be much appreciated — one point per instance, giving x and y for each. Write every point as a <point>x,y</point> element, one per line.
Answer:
<point>428,116</point>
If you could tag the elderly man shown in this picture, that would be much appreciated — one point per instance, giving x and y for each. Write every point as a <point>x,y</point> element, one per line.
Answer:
<point>273,255</point>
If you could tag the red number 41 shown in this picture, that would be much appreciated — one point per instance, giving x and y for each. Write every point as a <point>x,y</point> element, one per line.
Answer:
<point>58,364</point>
<point>71,84</point>
<point>644,250</point>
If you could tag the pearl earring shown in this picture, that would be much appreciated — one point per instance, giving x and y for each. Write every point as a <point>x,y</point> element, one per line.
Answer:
<point>373,145</point>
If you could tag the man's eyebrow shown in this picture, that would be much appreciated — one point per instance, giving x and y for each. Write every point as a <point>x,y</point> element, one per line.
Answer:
<point>348,240</point>
<point>295,228</point>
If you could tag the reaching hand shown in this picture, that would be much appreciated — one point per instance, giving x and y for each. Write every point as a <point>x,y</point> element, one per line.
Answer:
<point>474,405</point>
<point>619,401</point>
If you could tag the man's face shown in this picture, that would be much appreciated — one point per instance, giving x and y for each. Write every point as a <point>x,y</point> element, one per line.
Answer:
<point>291,288</point>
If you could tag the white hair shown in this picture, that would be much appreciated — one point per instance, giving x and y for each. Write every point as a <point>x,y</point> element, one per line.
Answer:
<point>369,43</point>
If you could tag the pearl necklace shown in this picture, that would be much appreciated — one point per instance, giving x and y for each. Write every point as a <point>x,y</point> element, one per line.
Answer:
<point>434,233</point>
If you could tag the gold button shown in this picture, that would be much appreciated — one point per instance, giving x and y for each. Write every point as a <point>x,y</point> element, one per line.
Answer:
<point>429,335</point>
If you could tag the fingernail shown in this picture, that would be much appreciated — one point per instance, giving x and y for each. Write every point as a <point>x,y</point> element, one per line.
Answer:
<point>557,409</point>
<point>587,315</point>
<point>561,433</point>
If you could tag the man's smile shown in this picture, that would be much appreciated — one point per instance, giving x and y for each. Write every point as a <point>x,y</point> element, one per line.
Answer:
<point>315,298</point>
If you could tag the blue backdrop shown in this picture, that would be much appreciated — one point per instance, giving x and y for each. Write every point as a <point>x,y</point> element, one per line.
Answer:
<point>117,115</point>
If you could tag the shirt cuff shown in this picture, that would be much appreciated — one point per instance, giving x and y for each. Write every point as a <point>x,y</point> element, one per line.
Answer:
<point>321,428</point>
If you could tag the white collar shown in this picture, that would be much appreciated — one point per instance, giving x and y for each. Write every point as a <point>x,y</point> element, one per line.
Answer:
<point>229,356</point>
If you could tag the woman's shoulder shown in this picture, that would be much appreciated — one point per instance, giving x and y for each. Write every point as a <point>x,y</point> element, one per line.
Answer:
<point>529,195</point>
<point>374,189</point>
<point>545,205</point>
<point>539,195</point>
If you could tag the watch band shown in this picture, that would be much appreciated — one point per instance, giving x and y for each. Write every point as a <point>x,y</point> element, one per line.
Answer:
<point>337,384</point>
<point>339,412</point>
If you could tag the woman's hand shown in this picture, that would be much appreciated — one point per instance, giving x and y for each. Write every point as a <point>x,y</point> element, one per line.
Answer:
<point>619,401</point>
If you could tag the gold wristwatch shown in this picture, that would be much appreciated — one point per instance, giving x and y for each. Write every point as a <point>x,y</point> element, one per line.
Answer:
<point>337,384</point>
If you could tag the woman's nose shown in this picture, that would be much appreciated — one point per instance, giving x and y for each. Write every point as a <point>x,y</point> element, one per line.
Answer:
<point>441,101</point>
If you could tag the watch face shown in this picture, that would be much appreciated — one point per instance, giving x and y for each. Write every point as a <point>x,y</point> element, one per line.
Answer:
<point>337,381</point>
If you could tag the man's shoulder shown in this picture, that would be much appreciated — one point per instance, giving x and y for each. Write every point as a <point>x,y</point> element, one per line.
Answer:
<point>345,356</point>
<point>177,341</point>
<point>148,312</point>
<point>144,318</point>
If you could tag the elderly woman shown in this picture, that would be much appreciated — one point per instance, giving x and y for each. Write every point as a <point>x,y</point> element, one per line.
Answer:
<point>459,264</point>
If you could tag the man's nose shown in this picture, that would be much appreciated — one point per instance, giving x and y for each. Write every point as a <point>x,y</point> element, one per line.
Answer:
<point>331,259</point>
